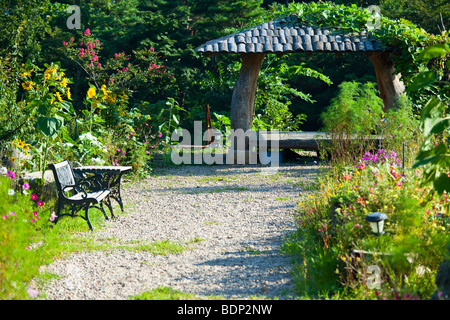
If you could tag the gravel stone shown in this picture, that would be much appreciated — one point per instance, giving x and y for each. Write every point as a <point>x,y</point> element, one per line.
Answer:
<point>231,218</point>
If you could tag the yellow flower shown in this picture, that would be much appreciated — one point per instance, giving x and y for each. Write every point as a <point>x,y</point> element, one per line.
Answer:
<point>13,159</point>
<point>58,95</point>
<point>69,95</point>
<point>110,99</point>
<point>27,85</point>
<point>50,70</point>
<point>91,92</point>
<point>25,74</point>
<point>105,92</point>
<point>21,144</point>
<point>64,82</point>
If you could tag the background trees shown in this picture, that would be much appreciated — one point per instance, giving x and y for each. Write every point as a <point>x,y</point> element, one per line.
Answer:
<point>36,30</point>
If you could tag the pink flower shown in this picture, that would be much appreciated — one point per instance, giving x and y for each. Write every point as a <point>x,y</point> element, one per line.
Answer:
<point>40,203</point>
<point>146,143</point>
<point>4,217</point>
<point>87,32</point>
<point>32,220</point>
<point>358,225</point>
<point>65,43</point>
<point>10,174</point>
<point>12,213</point>
<point>53,216</point>
<point>159,134</point>
<point>32,292</point>
<point>34,196</point>
<point>26,186</point>
<point>132,133</point>
<point>35,213</point>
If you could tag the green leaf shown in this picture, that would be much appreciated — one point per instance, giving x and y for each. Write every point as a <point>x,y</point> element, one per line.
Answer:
<point>434,51</point>
<point>48,126</point>
<point>422,80</point>
<point>431,115</point>
<point>441,182</point>
<point>430,156</point>
<point>175,119</point>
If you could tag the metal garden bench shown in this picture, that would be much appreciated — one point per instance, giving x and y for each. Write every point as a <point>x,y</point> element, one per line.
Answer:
<point>82,195</point>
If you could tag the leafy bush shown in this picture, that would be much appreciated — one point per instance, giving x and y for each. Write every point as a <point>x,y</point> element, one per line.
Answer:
<point>335,245</point>
<point>22,249</point>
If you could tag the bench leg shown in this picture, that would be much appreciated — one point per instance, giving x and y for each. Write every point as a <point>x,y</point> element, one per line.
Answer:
<point>103,210</point>
<point>109,205</point>
<point>86,216</point>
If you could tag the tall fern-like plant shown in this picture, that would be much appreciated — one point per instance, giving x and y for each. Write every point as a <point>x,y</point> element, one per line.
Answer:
<point>352,117</point>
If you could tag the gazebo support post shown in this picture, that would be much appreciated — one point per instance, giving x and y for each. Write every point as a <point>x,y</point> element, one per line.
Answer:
<point>389,83</point>
<point>244,95</point>
<point>244,92</point>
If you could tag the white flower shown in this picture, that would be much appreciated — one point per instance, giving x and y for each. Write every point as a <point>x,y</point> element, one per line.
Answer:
<point>11,192</point>
<point>3,171</point>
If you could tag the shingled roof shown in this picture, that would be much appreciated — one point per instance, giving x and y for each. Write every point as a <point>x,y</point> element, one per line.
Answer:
<point>288,35</point>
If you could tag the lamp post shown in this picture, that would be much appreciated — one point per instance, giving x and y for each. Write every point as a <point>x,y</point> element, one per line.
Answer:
<point>376,220</point>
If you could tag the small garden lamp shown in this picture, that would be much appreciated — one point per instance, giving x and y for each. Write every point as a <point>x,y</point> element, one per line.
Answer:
<point>376,220</point>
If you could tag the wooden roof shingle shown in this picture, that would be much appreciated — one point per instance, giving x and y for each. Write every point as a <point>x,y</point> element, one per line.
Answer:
<point>287,35</point>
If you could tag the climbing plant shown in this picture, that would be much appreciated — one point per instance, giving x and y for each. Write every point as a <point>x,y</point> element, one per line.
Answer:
<point>405,38</point>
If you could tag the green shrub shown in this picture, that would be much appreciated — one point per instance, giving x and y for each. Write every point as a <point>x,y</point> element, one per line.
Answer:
<point>22,249</point>
<point>353,115</point>
<point>334,236</point>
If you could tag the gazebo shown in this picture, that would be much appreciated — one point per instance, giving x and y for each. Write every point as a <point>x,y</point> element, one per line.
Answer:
<point>288,35</point>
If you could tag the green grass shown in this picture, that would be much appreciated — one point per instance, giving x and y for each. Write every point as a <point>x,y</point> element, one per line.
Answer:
<point>167,293</point>
<point>283,198</point>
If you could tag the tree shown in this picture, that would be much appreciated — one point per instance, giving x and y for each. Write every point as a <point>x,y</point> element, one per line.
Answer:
<point>427,14</point>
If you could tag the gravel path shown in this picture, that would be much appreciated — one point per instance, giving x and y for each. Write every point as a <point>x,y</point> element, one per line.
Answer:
<point>231,219</point>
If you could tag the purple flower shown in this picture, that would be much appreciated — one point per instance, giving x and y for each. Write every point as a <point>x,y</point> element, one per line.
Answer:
<point>11,175</point>
<point>32,292</point>
<point>26,186</point>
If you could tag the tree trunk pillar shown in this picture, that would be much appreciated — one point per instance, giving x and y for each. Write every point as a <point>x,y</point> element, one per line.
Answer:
<point>389,83</point>
<point>244,92</point>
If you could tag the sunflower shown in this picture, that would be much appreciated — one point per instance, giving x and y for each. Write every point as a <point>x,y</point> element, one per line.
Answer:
<point>21,144</point>
<point>64,82</point>
<point>27,85</point>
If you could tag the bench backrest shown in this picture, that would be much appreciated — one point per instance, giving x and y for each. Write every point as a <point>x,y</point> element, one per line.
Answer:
<point>63,174</point>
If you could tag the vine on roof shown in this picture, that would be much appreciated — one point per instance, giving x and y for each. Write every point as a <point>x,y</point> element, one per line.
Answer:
<point>407,39</point>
